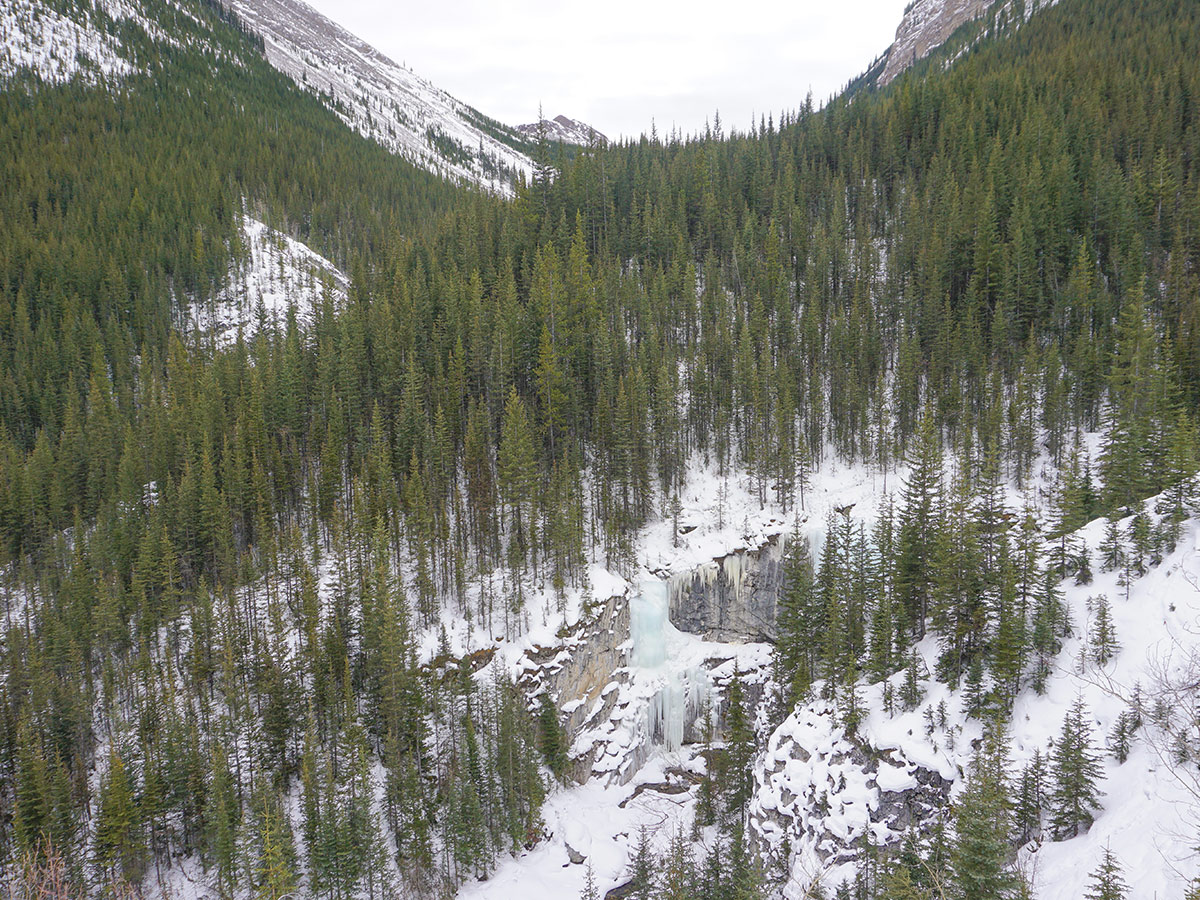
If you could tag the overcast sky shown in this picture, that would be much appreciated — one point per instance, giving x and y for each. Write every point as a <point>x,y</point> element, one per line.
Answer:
<point>618,64</point>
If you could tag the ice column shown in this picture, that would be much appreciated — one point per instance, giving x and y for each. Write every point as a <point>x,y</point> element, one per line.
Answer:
<point>677,695</point>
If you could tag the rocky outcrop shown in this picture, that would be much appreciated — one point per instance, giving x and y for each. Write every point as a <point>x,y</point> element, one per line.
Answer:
<point>830,798</point>
<point>732,598</point>
<point>925,27</point>
<point>577,672</point>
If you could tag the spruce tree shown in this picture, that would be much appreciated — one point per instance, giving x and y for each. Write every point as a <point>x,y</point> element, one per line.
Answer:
<point>1074,797</point>
<point>1102,642</point>
<point>920,518</point>
<point>118,847</point>
<point>551,739</point>
<point>799,620</point>
<point>982,823</point>
<point>642,868</point>
<point>1106,882</point>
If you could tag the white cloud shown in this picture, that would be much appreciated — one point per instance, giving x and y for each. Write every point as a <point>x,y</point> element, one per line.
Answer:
<point>620,64</point>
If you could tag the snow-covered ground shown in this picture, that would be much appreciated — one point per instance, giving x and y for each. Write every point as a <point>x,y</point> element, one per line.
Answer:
<point>57,47</point>
<point>279,273</point>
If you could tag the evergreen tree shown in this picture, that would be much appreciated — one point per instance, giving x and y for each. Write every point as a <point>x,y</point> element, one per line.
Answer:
<point>677,875</point>
<point>1106,882</point>
<point>1074,773</point>
<point>118,847</point>
<point>1102,642</point>
<point>799,620</point>
<point>919,528</point>
<point>982,823</point>
<point>551,740</point>
<point>642,868</point>
<point>1031,799</point>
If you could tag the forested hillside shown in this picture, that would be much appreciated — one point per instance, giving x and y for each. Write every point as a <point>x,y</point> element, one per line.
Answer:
<point>229,570</point>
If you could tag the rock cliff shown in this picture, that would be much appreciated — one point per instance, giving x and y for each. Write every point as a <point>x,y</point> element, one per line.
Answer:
<point>732,598</point>
<point>925,27</point>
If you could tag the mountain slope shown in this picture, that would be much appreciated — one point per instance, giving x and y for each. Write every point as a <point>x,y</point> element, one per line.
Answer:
<point>385,101</point>
<point>348,604</point>
<point>369,92</point>
<point>929,24</point>
<point>924,28</point>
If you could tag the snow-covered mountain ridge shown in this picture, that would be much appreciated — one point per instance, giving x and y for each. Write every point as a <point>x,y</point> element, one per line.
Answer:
<point>373,95</point>
<point>924,28</point>
<point>927,24</point>
<point>383,100</point>
<point>75,42</point>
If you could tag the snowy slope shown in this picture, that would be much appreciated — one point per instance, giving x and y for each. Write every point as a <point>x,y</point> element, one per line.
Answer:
<point>59,46</point>
<point>278,274</point>
<point>382,100</point>
<point>1150,805</point>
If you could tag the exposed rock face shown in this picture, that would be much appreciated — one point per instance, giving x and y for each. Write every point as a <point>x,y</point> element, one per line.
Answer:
<point>925,27</point>
<point>606,701</point>
<point>577,672</point>
<point>733,598</point>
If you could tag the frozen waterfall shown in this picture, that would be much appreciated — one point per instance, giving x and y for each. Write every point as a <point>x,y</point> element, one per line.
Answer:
<point>679,697</point>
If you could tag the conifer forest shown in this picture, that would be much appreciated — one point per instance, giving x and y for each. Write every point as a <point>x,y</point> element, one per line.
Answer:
<point>290,610</point>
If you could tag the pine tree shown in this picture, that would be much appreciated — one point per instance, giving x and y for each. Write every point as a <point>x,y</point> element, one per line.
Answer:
<point>1124,730</point>
<point>550,738</point>
<point>223,816</point>
<point>1112,549</point>
<point>737,771</point>
<point>118,847</point>
<point>1031,796</point>
<point>919,528</point>
<point>910,691</point>
<point>1102,642</point>
<point>982,822</point>
<point>1106,882</point>
<point>275,869</point>
<point>1074,773</point>
<point>677,874</point>
<point>517,476</point>
<point>642,868</point>
<point>590,891</point>
<point>799,620</point>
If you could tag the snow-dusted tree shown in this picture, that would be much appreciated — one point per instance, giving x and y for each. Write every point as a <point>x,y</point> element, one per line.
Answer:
<point>1106,882</point>
<point>1102,642</point>
<point>1075,771</point>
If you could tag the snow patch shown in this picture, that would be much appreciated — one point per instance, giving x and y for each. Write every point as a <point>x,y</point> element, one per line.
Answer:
<point>278,274</point>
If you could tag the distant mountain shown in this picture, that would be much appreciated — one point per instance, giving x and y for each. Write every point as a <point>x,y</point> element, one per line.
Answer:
<point>563,129</point>
<point>382,99</point>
